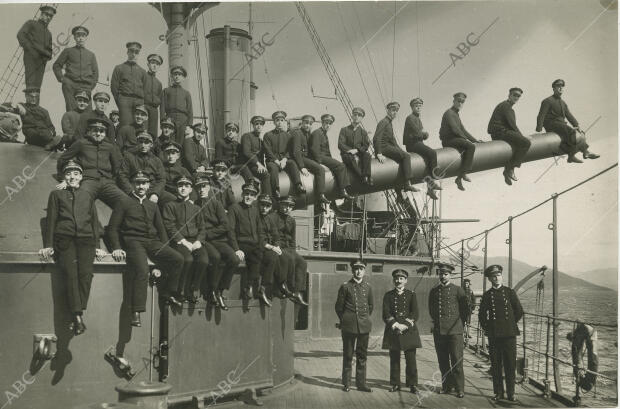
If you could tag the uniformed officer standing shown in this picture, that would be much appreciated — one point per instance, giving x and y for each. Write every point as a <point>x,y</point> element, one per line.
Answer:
<point>500,311</point>
<point>454,135</point>
<point>36,122</point>
<point>269,236</point>
<point>101,100</point>
<point>252,156</point>
<point>172,171</point>
<point>36,40</point>
<point>72,236</point>
<point>385,145</point>
<point>81,72</point>
<point>136,231</point>
<point>194,154</point>
<point>127,84</point>
<point>503,127</point>
<point>353,144</point>
<point>152,92</point>
<point>277,154</point>
<point>185,227</point>
<point>414,136</point>
<point>400,314</point>
<point>176,103</point>
<point>354,306</point>
<point>301,155</point>
<point>553,115</point>
<point>448,308</point>
<point>126,138</point>
<point>71,119</point>
<point>141,158</point>
<point>321,153</point>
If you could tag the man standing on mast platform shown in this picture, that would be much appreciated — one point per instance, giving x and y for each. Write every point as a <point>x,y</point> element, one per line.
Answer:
<point>36,40</point>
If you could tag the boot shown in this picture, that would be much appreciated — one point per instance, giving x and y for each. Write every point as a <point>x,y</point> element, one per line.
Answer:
<point>573,159</point>
<point>459,183</point>
<point>212,299</point>
<point>297,298</point>
<point>171,300</point>
<point>135,320</point>
<point>590,155</point>
<point>300,188</point>
<point>263,296</point>
<point>434,185</point>
<point>432,194</point>
<point>78,327</point>
<point>507,178</point>
<point>345,194</point>
<point>287,293</point>
<point>511,174</point>
<point>222,304</point>
<point>410,188</point>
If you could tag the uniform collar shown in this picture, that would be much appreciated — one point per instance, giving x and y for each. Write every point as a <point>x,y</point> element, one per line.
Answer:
<point>140,199</point>
<point>399,292</point>
<point>454,109</point>
<point>130,62</point>
<point>357,282</point>
<point>497,288</point>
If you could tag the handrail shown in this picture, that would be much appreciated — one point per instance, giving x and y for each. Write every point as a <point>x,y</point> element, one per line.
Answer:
<point>594,324</point>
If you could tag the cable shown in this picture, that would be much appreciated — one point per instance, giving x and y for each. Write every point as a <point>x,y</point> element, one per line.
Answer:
<point>368,54</point>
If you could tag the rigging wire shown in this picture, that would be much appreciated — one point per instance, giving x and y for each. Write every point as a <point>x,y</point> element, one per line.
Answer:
<point>417,25</point>
<point>393,49</point>
<point>199,72</point>
<point>273,94</point>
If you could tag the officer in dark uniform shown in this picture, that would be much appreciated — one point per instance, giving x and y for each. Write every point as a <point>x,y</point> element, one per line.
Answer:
<point>500,311</point>
<point>127,83</point>
<point>152,92</point>
<point>301,154</point>
<point>186,229</point>
<point>354,306</point>
<point>269,235</point>
<point>176,103</point>
<point>400,314</point>
<point>353,144</point>
<point>81,72</point>
<point>471,298</point>
<point>172,171</point>
<point>252,156</point>
<point>136,231</point>
<point>221,185</point>
<point>126,138</point>
<point>167,130</point>
<point>321,153</point>
<point>448,308</point>
<point>71,119</point>
<point>115,117</point>
<point>243,220</point>
<point>277,154</point>
<point>194,154</point>
<point>72,236</point>
<point>227,148</point>
<point>218,243</point>
<point>414,136</point>
<point>36,40</point>
<point>141,158</point>
<point>385,145</point>
<point>36,122</point>
<point>101,100</point>
<point>553,115</point>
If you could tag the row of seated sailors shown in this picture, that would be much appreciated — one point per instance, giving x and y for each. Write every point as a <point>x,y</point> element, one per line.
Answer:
<point>197,245</point>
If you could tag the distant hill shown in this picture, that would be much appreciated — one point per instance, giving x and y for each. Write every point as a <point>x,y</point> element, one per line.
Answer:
<point>606,277</point>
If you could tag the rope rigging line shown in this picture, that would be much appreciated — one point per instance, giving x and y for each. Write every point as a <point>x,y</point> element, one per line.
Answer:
<point>417,25</point>
<point>393,49</point>
<point>199,75</point>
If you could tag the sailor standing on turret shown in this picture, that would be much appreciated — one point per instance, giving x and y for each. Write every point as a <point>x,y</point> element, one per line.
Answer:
<point>500,310</point>
<point>36,40</point>
<point>152,92</point>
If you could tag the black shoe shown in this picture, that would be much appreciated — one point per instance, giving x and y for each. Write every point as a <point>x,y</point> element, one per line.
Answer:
<point>346,195</point>
<point>497,397</point>
<point>460,395</point>
<point>346,388</point>
<point>78,326</point>
<point>263,297</point>
<point>300,188</point>
<point>212,299</point>
<point>364,388</point>
<point>431,194</point>
<point>413,389</point>
<point>369,181</point>
<point>395,388</point>
<point>323,199</point>
<point>297,298</point>
<point>507,178</point>
<point>135,320</point>
<point>172,300</point>
<point>512,175</point>
<point>590,155</point>
<point>512,399</point>
<point>459,183</point>
<point>287,293</point>
<point>222,304</point>
<point>247,293</point>
<point>573,159</point>
<point>276,193</point>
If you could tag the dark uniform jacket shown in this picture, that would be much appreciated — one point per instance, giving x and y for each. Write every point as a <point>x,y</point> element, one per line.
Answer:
<point>268,230</point>
<point>82,126</point>
<point>152,90</point>
<point>217,227</point>
<point>227,150</point>
<point>128,79</point>
<point>136,220</point>
<point>276,145</point>
<point>183,220</point>
<point>223,192</point>
<point>350,138</point>
<point>414,130</point>
<point>176,99</point>
<point>299,146</point>
<point>448,309</point>
<point>126,138</point>
<point>500,310</point>
<point>354,306</point>
<point>158,145</point>
<point>319,145</point>
<point>471,299</point>
<point>80,66</point>
<point>36,117</point>
<point>35,38</point>
<point>553,110</point>
<point>171,173</point>
<point>399,308</point>
<point>384,136</point>
<point>452,127</point>
<point>99,160</point>
<point>135,161</point>
<point>243,222</point>
<point>286,228</point>
<point>251,149</point>
<point>503,119</point>
<point>69,124</point>
<point>70,212</point>
<point>194,155</point>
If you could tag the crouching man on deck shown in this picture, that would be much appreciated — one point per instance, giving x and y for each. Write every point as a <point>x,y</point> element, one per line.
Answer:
<point>500,310</point>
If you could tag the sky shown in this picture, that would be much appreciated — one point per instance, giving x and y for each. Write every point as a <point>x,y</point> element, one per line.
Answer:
<point>387,51</point>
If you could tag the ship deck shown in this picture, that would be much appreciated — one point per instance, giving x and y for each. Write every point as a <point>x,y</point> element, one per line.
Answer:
<point>317,385</point>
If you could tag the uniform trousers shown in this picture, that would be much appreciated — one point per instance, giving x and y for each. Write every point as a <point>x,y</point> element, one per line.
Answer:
<point>181,120</point>
<point>402,158</point>
<point>568,134</point>
<point>253,261</point>
<point>449,349</point>
<point>358,343</point>
<point>297,270</point>
<point>39,136</point>
<point>319,175</point>
<point>69,88</point>
<point>136,275</point>
<point>503,353</point>
<point>269,266</point>
<point>291,169</point>
<point>126,105</point>
<point>465,148</point>
<point>250,171</point>
<point>411,368</point>
<point>103,189</point>
<point>194,266</point>
<point>34,67</point>
<point>223,263</point>
<point>75,257</point>
<point>519,144</point>
<point>153,121</point>
<point>359,163</point>
<point>339,170</point>
<point>428,154</point>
